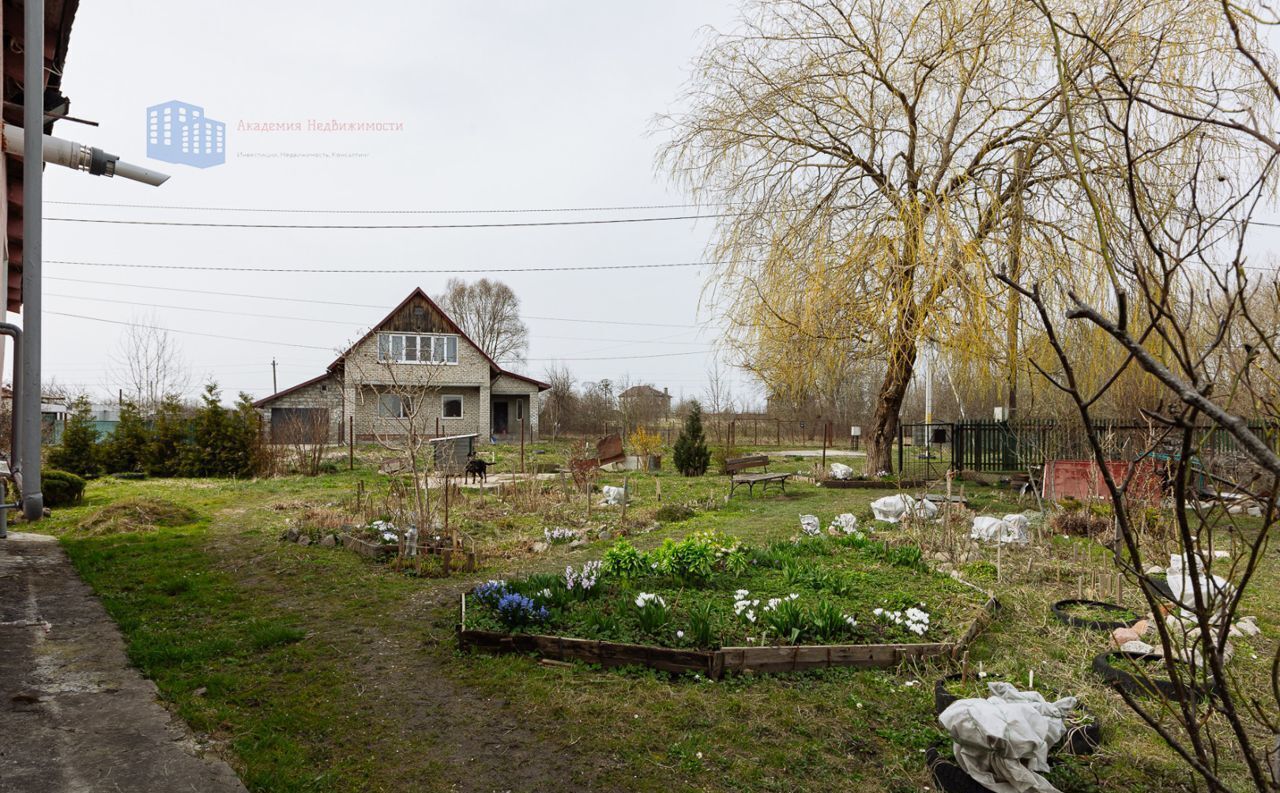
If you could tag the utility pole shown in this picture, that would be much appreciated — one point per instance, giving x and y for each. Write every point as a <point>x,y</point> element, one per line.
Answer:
<point>32,212</point>
<point>274,388</point>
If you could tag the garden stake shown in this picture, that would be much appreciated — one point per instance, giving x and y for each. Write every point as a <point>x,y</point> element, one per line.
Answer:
<point>623,519</point>
<point>658,485</point>
<point>964,667</point>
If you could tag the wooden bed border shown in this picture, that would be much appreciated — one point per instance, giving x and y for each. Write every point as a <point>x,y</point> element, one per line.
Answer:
<point>715,663</point>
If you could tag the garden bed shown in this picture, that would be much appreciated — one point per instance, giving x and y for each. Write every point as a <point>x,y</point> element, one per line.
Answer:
<point>871,484</point>
<point>819,602</point>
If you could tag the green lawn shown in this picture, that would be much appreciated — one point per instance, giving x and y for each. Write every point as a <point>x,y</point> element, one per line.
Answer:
<point>315,670</point>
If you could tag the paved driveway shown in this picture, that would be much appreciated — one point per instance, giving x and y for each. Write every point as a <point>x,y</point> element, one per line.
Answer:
<point>74,715</point>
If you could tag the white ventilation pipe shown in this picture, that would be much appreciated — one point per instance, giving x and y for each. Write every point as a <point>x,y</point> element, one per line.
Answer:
<point>79,157</point>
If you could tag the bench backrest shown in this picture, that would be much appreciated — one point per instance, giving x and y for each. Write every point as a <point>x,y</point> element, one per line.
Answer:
<point>737,464</point>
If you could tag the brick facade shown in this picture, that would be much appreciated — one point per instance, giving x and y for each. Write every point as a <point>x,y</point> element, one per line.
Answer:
<point>352,388</point>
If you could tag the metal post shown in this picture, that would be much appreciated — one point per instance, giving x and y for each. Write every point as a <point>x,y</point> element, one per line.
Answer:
<point>899,445</point>
<point>275,389</point>
<point>32,211</point>
<point>351,443</point>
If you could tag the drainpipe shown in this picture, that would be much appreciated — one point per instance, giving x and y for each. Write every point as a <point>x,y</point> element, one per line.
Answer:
<point>27,404</point>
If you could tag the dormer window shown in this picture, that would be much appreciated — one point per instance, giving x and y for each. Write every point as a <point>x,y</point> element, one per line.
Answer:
<point>417,348</point>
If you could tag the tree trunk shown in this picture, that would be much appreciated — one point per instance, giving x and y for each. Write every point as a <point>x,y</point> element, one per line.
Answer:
<point>884,422</point>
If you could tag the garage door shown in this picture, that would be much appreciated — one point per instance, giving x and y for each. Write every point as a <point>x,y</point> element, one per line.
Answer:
<point>299,425</point>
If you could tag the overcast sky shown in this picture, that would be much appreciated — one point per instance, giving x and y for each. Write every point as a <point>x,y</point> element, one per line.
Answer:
<point>503,105</point>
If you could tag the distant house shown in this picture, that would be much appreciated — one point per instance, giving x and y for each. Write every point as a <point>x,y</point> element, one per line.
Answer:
<point>646,401</point>
<point>416,349</point>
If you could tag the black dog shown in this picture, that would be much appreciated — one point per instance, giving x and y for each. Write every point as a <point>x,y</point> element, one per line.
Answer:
<point>477,470</point>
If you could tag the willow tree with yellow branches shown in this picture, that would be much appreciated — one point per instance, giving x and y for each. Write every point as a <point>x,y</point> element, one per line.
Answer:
<point>877,161</point>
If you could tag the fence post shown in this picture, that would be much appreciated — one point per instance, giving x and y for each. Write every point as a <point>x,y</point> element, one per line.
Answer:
<point>900,454</point>
<point>351,443</point>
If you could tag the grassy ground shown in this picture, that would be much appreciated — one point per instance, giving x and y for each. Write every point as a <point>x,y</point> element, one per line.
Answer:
<point>316,670</point>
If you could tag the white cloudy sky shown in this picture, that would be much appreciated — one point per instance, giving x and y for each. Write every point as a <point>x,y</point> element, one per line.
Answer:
<point>504,105</point>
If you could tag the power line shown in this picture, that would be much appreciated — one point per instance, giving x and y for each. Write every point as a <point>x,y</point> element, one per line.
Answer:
<point>314,211</point>
<point>202,310</point>
<point>330,349</point>
<point>338,302</point>
<point>338,321</point>
<point>395,226</point>
<point>189,332</point>
<point>361,271</point>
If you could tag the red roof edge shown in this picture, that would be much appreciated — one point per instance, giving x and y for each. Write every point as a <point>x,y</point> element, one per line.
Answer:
<point>541,385</point>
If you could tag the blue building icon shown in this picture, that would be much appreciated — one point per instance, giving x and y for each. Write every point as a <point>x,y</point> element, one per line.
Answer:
<point>180,132</point>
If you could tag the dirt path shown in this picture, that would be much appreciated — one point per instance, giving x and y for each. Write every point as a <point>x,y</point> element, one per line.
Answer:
<point>74,715</point>
<point>401,664</point>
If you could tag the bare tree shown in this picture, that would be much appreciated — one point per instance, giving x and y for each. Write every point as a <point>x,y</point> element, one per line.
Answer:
<point>489,313</point>
<point>306,433</point>
<point>1193,150</point>
<point>148,364</point>
<point>559,402</point>
<point>401,398</point>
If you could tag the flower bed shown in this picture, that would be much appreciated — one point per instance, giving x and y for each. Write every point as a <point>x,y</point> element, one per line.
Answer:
<point>814,601</point>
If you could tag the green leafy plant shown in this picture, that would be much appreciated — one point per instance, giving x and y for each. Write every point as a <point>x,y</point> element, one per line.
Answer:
<point>691,454</point>
<point>702,621</point>
<point>601,622</point>
<point>61,488</point>
<point>691,560</point>
<point>736,562</point>
<point>827,621</point>
<point>623,561</point>
<point>785,617</point>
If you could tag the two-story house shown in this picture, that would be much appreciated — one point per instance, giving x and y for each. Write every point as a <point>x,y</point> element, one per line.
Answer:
<point>418,365</point>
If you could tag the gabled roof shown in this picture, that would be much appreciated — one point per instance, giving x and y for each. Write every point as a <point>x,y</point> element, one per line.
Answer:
<point>495,368</point>
<point>313,381</point>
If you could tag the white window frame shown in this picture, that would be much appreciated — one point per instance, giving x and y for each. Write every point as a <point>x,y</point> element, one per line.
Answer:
<point>462,406</point>
<point>404,410</point>
<point>388,342</point>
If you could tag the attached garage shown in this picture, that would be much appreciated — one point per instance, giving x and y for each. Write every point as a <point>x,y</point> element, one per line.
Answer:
<point>310,412</point>
<point>299,425</point>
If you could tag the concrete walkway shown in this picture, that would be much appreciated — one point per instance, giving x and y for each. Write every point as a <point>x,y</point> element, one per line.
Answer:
<point>74,715</point>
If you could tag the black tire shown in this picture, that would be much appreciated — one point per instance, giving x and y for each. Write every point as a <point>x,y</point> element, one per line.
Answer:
<point>1059,610</point>
<point>1159,586</point>
<point>950,777</point>
<point>1157,686</point>
<point>1082,739</point>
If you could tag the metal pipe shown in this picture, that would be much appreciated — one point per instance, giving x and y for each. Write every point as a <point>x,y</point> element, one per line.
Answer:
<point>14,332</point>
<point>32,214</point>
<point>79,157</point>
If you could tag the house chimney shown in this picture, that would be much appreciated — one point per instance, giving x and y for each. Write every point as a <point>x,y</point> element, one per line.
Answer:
<point>665,392</point>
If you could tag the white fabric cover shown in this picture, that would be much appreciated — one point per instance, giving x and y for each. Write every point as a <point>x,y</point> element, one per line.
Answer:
<point>892,509</point>
<point>1003,741</point>
<point>841,471</point>
<point>1215,592</point>
<point>810,525</point>
<point>845,523</point>
<point>989,529</point>
<point>614,495</point>
<point>1018,521</point>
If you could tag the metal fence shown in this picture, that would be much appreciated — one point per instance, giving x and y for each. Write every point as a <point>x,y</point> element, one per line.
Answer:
<point>1002,447</point>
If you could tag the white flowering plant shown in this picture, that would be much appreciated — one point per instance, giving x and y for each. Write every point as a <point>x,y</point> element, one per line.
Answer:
<point>652,612</point>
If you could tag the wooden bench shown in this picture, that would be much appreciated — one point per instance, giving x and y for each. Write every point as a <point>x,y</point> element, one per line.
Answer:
<point>734,467</point>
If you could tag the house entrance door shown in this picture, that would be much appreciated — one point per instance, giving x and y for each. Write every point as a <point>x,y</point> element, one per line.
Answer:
<point>501,418</point>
